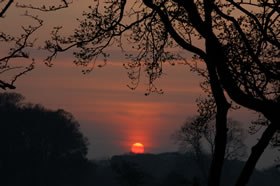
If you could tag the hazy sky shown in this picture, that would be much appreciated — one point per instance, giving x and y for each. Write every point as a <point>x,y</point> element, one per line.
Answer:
<point>111,115</point>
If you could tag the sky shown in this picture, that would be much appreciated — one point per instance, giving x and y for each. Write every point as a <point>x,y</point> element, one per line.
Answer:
<point>112,116</point>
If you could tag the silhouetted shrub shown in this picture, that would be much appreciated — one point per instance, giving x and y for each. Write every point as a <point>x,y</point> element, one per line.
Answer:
<point>39,146</point>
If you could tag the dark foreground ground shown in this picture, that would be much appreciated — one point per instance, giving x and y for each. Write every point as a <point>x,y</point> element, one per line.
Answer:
<point>171,169</point>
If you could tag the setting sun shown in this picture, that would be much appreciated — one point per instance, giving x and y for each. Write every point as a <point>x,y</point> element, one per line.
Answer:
<point>137,148</point>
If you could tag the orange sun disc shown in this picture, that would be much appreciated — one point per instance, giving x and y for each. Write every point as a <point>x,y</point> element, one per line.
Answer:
<point>137,148</point>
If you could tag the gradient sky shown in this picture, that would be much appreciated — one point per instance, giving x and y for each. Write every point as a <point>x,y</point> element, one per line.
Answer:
<point>111,115</point>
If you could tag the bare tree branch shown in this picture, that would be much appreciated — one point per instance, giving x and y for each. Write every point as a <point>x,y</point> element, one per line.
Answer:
<point>6,7</point>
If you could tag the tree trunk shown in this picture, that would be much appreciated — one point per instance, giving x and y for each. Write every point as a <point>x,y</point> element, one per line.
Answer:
<point>220,146</point>
<point>256,153</point>
<point>221,128</point>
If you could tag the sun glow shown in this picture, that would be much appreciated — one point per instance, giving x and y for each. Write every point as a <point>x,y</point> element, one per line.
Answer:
<point>137,148</point>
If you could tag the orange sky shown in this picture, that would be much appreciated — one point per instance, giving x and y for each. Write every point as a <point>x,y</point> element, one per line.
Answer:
<point>111,115</point>
<point>101,101</point>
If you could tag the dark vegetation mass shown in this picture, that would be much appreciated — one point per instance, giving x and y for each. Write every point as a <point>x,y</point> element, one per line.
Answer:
<point>171,169</point>
<point>40,147</point>
<point>239,47</point>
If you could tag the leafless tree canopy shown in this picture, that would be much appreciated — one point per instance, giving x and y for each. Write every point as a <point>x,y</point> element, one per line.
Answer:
<point>198,137</point>
<point>241,52</point>
<point>21,44</point>
<point>240,47</point>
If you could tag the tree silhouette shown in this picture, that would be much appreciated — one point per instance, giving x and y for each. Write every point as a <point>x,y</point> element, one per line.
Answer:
<point>39,146</point>
<point>20,45</point>
<point>260,123</point>
<point>192,134</point>
<point>240,49</point>
<point>201,128</point>
<point>197,137</point>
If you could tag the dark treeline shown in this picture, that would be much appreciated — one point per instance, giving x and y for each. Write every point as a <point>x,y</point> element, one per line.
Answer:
<point>40,147</point>
<point>172,169</point>
<point>238,43</point>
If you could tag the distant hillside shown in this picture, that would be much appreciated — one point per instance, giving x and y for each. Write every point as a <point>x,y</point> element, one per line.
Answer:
<point>170,169</point>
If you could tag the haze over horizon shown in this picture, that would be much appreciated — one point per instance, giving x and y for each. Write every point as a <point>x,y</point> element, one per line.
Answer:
<point>111,115</point>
